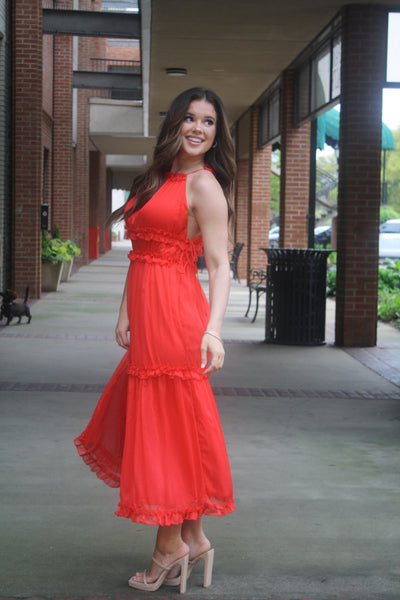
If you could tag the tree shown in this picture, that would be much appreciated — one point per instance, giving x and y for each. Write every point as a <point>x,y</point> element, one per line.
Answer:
<point>275,184</point>
<point>392,173</point>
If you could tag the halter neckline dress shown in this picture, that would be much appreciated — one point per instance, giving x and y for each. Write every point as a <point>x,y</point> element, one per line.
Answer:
<point>155,432</point>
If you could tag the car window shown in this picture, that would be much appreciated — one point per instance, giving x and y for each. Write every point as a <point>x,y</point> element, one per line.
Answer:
<point>390,228</point>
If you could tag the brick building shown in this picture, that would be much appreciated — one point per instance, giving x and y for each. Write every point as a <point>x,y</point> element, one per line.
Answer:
<point>67,143</point>
<point>46,154</point>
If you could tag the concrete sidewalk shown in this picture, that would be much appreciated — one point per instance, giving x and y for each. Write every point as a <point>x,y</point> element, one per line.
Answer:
<point>312,434</point>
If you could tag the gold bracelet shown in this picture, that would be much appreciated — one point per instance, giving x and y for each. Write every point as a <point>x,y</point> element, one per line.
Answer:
<point>214,335</point>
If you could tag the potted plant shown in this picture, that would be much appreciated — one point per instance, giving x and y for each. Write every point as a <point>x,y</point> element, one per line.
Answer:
<point>68,250</point>
<point>52,264</point>
<point>73,250</point>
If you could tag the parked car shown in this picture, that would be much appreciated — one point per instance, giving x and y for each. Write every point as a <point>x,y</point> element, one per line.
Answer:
<point>322,236</point>
<point>389,239</point>
<point>274,237</point>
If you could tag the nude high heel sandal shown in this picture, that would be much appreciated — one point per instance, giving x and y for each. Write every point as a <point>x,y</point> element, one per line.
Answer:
<point>152,587</point>
<point>208,558</point>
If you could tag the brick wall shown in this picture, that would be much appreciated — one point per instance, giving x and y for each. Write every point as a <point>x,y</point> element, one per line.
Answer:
<point>85,210</point>
<point>27,145</point>
<point>123,52</point>
<point>5,146</point>
<point>242,212</point>
<point>259,195</point>
<point>253,194</point>
<point>363,72</point>
<point>295,170</point>
<point>98,196</point>
<point>47,119</point>
<point>81,151</point>
<point>47,78</point>
<point>62,136</point>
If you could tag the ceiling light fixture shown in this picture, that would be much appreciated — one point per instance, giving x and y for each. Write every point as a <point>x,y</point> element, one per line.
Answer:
<point>176,72</point>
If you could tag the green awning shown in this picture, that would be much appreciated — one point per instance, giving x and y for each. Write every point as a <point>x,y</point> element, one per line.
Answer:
<point>328,131</point>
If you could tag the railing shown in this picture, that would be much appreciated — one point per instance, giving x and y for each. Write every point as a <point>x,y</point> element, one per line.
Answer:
<point>114,65</point>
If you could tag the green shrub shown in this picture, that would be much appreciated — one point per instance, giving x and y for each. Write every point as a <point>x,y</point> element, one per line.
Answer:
<point>386,213</point>
<point>389,277</point>
<point>389,307</point>
<point>331,282</point>
<point>389,291</point>
<point>53,250</point>
<point>332,258</point>
<point>70,247</point>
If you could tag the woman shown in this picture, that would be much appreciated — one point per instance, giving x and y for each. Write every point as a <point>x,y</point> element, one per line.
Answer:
<point>156,431</point>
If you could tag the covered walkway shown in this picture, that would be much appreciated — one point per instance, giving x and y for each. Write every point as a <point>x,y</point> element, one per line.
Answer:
<point>313,438</point>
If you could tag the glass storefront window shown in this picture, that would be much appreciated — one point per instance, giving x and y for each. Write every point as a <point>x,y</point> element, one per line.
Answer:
<point>318,74</point>
<point>321,79</point>
<point>393,49</point>
<point>270,118</point>
<point>303,90</point>
<point>336,62</point>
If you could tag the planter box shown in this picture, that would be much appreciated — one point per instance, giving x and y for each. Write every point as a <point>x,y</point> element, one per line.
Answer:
<point>66,270</point>
<point>51,276</point>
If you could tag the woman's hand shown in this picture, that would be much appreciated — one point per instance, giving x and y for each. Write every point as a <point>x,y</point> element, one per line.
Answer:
<point>122,328</point>
<point>122,331</point>
<point>213,346</point>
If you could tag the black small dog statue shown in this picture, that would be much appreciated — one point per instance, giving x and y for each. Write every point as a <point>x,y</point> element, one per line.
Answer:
<point>10,309</point>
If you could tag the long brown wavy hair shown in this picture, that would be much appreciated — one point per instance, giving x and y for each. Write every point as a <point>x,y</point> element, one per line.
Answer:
<point>220,158</point>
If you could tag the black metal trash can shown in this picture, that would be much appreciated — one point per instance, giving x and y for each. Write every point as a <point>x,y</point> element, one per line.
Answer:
<point>296,296</point>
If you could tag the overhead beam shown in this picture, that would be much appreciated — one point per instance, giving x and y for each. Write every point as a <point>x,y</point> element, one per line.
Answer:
<point>91,24</point>
<point>107,81</point>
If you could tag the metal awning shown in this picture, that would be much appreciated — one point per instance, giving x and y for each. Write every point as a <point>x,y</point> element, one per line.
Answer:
<point>328,131</point>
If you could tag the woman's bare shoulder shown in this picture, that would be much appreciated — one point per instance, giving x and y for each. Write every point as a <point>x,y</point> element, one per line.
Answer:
<point>204,182</point>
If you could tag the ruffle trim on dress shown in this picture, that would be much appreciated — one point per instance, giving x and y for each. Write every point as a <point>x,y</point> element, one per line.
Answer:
<point>104,471</point>
<point>176,176</point>
<point>171,372</point>
<point>152,234</point>
<point>154,246</point>
<point>174,516</point>
<point>150,259</point>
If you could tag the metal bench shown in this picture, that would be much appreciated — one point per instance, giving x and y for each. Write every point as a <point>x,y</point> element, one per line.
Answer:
<point>257,285</point>
<point>234,258</point>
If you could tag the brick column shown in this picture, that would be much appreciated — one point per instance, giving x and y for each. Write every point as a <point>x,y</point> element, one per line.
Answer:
<point>62,132</point>
<point>363,73</point>
<point>5,146</point>
<point>81,152</point>
<point>242,213</point>
<point>81,177</point>
<point>295,171</point>
<point>98,199</point>
<point>27,145</point>
<point>88,47</point>
<point>242,141</point>
<point>109,189</point>
<point>259,195</point>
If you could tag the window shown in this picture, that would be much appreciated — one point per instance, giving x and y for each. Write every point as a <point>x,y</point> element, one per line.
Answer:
<point>321,79</point>
<point>318,74</point>
<point>390,227</point>
<point>336,62</point>
<point>393,49</point>
<point>270,118</point>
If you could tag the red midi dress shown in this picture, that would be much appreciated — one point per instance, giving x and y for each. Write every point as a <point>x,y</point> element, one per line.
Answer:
<point>155,432</point>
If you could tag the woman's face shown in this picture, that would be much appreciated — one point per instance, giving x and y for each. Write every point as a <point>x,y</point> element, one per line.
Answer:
<point>198,128</point>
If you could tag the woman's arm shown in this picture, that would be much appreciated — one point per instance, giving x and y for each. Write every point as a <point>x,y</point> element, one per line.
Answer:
<point>209,208</point>
<point>122,328</point>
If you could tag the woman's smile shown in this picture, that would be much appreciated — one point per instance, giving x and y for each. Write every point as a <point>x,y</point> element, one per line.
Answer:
<point>198,128</point>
